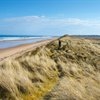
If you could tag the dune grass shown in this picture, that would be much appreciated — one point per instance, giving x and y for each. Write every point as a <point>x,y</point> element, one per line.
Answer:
<point>49,73</point>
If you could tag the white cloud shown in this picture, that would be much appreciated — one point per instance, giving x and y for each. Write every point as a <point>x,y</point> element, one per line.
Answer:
<point>42,25</point>
<point>24,18</point>
<point>66,21</point>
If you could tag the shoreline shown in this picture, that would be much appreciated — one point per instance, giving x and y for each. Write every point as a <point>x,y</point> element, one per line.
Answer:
<point>23,39</point>
<point>13,43</point>
<point>20,49</point>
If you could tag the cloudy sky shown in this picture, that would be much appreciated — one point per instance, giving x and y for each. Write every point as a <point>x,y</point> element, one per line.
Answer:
<point>50,17</point>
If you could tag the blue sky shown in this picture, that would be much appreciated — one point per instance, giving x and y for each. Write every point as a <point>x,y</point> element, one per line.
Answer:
<point>50,17</point>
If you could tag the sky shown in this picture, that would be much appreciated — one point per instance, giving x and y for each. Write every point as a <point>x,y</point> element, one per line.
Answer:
<point>50,17</point>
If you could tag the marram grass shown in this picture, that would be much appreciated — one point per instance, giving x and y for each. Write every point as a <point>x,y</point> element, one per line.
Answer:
<point>69,72</point>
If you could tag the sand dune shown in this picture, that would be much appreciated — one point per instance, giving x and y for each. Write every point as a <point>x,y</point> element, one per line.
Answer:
<point>50,72</point>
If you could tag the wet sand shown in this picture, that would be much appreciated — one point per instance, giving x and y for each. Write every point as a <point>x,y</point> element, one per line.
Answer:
<point>18,50</point>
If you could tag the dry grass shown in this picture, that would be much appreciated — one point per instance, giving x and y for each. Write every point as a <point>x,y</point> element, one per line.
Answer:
<point>48,73</point>
<point>27,77</point>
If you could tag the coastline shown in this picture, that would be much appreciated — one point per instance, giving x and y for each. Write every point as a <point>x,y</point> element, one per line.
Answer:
<point>22,39</point>
<point>16,42</point>
<point>47,69</point>
<point>20,49</point>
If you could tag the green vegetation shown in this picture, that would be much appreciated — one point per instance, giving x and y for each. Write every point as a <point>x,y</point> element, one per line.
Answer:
<point>48,73</point>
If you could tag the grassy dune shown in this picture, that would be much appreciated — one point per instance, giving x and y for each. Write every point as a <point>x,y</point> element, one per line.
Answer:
<point>71,72</point>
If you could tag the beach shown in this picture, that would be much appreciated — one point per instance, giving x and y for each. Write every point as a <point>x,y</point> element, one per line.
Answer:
<point>42,71</point>
<point>20,49</point>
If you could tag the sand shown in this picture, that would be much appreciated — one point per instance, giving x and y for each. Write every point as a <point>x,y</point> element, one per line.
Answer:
<point>13,51</point>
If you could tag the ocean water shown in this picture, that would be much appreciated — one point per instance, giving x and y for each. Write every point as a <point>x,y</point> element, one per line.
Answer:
<point>12,41</point>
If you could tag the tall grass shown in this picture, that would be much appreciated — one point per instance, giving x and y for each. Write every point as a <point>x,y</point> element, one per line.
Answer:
<point>71,72</point>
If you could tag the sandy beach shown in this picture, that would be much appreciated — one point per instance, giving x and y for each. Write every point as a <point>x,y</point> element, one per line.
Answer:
<point>10,52</point>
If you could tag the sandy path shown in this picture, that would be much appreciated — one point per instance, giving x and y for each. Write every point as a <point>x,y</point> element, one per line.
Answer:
<point>5,53</point>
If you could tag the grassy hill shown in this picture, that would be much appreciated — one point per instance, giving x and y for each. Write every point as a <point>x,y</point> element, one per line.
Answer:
<point>69,72</point>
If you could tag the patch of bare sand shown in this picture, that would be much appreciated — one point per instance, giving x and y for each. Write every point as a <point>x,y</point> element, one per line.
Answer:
<point>5,53</point>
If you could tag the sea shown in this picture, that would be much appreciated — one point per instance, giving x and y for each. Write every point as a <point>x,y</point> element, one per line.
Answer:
<point>7,41</point>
